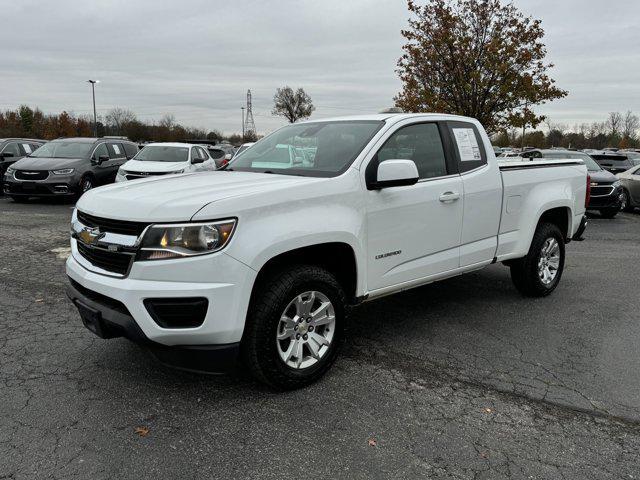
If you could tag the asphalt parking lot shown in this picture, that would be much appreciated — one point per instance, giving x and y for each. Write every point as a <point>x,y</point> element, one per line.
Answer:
<point>461,379</point>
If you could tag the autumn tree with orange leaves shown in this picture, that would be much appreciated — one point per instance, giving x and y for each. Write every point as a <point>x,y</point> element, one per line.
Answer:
<point>477,58</point>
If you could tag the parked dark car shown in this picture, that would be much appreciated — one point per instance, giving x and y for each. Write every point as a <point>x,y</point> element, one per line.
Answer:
<point>13,149</point>
<point>607,195</point>
<point>67,167</point>
<point>613,162</point>
<point>630,181</point>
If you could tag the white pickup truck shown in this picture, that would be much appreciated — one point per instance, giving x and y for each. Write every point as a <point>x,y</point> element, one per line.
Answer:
<point>261,261</point>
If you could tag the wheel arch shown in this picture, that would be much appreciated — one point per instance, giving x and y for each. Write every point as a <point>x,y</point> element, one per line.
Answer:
<point>339,258</point>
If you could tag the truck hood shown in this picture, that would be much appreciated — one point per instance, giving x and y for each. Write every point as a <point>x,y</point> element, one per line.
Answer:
<point>145,166</point>
<point>44,163</point>
<point>178,198</point>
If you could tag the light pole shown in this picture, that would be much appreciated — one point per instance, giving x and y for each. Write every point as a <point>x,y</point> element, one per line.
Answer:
<point>95,118</point>
<point>242,108</point>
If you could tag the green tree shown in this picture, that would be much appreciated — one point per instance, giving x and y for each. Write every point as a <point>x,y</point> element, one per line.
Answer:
<point>26,118</point>
<point>482,59</point>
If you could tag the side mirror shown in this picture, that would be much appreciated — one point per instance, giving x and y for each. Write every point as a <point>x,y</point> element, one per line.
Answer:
<point>395,173</point>
<point>194,160</point>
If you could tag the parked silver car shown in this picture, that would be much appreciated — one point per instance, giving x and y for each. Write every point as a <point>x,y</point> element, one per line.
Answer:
<point>630,181</point>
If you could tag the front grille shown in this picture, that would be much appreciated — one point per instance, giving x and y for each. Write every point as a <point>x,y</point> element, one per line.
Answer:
<point>135,175</point>
<point>114,226</point>
<point>31,174</point>
<point>115,262</point>
<point>601,190</point>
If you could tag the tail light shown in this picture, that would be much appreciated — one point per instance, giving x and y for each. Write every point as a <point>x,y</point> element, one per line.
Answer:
<point>588,195</point>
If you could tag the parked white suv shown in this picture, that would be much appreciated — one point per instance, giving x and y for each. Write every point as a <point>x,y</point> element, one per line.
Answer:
<point>262,259</point>
<point>166,158</point>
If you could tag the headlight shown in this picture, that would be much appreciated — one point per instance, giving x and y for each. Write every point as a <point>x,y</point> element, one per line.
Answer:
<point>162,242</point>
<point>63,171</point>
<point>121,171</point>
<point>616,184</point>
<point>9,171</point>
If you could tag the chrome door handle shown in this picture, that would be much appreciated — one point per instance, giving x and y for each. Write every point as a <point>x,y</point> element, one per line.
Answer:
<point>449,197</point>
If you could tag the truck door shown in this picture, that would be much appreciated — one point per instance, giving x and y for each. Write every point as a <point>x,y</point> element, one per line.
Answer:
<point>482,186</point>
<point>413,232</point>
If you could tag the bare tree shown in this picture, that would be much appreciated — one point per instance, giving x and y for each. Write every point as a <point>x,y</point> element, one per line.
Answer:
<point>168,120</point>
<point>292,105</point>
<point>614,124</point>
<point>118,117</point>
<point>630,125</point>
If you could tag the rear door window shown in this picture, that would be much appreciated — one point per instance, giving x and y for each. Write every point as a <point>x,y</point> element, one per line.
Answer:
<point>468,146</point>
<point>116,151</point>
<point>130,149</point>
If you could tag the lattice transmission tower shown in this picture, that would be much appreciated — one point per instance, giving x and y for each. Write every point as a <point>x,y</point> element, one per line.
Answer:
<point>249,125</point>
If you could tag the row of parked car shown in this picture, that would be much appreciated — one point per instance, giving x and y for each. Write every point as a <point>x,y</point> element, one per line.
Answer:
<point>72,166</point>
<point>615,175</point>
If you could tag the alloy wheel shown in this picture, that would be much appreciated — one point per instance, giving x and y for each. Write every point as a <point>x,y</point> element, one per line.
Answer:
<point>306,330</point>
<point>549,261</point>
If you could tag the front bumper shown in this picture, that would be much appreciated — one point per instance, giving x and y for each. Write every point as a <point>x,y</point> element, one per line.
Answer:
<point>109,318</point>
<point>612,200</point>
<point>53,186</point>
<point>223,281</point>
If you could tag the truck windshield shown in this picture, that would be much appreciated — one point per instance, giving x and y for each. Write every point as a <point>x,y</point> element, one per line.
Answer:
<point>162,153</point>
<point>63,150</point>
<point>314,149</point>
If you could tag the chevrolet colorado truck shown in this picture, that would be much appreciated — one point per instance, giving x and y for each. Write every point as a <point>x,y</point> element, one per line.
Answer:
<point>261,262</point>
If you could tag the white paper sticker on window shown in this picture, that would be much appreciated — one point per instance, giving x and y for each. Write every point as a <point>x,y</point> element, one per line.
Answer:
<point>27,148</point>
<point>467,144</point>
<point>116,148</point>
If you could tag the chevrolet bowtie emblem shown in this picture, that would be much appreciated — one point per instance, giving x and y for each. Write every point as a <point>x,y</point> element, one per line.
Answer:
<point>90,235</point>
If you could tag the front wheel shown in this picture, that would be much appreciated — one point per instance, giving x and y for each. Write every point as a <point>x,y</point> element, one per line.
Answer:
<point>86,184</point>
<point>538,274</point>
<point>294,327</point>
<point>625,202</point>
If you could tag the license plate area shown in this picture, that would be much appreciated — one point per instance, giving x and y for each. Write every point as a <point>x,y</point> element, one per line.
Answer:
<point>30,186</point>
<point>92,320</point>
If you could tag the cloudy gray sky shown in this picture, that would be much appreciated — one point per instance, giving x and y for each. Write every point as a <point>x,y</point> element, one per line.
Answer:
<point>196,58</point>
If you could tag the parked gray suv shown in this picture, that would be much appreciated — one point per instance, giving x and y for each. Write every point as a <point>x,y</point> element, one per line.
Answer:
<point>13,149</point>
<point>67,167</point>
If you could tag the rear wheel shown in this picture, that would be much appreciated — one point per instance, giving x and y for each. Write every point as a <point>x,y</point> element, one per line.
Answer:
<point>538,274</point>
<point>294,327</point>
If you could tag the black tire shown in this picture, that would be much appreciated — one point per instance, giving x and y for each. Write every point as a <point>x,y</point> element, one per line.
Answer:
<point>20,199</point>
<point>86,183</point>
<point>524,271</point>
<point>259,348</point>
<point>609,212</point>
<point>628,207</point>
